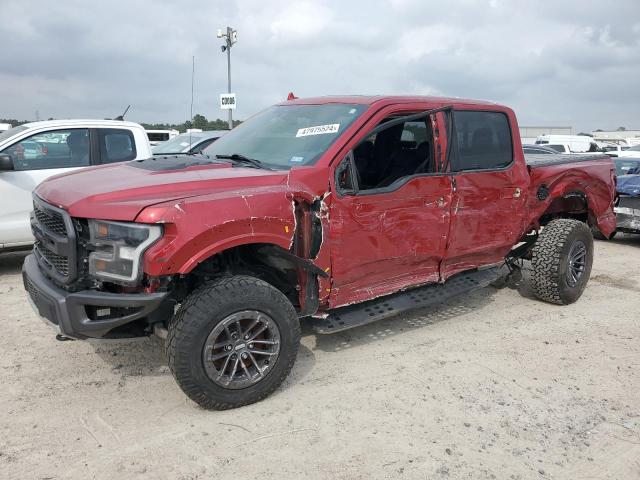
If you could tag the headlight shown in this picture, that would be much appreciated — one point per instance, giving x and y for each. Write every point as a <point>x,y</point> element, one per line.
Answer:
<point>118,249</point>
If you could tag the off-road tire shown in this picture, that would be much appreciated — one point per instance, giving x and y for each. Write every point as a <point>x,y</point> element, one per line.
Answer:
<point>550,261</point>
<point>201,312</point>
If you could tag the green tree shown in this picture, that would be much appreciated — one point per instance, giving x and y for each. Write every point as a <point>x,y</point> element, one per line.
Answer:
<point>200,121</point>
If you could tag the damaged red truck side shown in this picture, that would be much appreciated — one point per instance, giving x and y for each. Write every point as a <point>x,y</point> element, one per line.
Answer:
<point>337,210</point>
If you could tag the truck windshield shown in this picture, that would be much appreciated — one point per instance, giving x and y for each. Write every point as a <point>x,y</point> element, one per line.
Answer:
<point>284,136</point>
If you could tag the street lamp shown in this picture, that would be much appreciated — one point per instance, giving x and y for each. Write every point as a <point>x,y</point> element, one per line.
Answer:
<point>231,37</point>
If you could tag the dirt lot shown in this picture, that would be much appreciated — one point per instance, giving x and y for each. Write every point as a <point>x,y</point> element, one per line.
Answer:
<point>491,385</point>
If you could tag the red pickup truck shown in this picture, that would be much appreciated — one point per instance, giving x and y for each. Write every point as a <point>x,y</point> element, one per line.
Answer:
<point>338,211</point>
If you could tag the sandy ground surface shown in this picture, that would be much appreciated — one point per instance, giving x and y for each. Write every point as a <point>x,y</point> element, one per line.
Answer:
<point>492,385</point>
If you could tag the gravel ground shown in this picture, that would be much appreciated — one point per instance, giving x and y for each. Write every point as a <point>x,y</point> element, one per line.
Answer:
<point>492,385</point>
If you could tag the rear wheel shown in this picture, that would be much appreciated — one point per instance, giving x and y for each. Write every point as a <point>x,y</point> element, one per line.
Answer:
<point>562,259</point>
<point>233,342</point>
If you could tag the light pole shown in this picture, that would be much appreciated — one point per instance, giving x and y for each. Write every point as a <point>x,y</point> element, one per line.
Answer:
<point>231,37</point>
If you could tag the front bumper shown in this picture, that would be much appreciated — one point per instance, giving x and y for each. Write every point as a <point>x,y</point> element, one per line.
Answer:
<point>85,314</point>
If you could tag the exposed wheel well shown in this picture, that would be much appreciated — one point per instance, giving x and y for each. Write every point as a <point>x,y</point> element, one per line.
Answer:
<point>269,262</point>
<point>574,205</point>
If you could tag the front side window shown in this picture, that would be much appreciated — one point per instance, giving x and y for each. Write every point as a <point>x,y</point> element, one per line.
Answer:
<point>116,145</point>
<point>389,155</point>
<point>53,149</point>
<point>285,136</point>
<point>483,141</point>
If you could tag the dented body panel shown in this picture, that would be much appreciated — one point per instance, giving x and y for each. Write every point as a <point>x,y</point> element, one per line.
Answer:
<point>423,230</point>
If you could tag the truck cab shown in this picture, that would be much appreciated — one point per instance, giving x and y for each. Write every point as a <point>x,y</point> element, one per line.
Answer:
<point>336,211</point>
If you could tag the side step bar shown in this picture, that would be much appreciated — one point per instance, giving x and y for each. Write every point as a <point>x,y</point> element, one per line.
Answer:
<point>352,316</point>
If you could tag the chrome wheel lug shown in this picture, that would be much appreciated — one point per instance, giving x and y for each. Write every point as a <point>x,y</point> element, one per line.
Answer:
<point>244,356</point>
<point>228,348</point>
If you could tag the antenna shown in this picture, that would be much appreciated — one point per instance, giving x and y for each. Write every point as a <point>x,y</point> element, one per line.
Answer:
<point>193,71</point>
<point>121,117</point>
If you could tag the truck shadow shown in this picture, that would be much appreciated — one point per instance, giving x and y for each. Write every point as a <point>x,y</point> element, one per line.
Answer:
<point>402,323</point>
<point>145,357</point>
<point>11,262</point>
<point>624,239</point>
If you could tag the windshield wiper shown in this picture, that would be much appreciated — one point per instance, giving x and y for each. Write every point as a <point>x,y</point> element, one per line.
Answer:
<point>236,158</point>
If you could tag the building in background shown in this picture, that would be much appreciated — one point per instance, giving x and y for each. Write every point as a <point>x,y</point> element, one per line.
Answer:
<point>630,137</point>
<point>528,135</point>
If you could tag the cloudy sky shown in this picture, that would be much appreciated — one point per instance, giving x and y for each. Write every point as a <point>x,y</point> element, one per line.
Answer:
<point>557,62</point>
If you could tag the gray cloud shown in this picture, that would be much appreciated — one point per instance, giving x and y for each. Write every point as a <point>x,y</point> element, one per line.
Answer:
<point>573,62</point>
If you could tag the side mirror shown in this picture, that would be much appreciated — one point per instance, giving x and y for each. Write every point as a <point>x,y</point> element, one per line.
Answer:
<point>6,162</point>
<point>345,182</point>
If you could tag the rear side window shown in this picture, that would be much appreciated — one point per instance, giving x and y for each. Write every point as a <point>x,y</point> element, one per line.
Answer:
<point>483,141</point>
<point>52,149</point>
<point>116,145</point>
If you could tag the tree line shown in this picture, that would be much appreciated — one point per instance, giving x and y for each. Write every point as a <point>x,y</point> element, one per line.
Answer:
<point>198,121</point>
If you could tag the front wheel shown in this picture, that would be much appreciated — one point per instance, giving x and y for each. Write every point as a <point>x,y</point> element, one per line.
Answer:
<point>562,258</point>
<point>233,342</point>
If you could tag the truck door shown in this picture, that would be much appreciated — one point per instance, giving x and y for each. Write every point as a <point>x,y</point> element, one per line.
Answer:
<point>490,185</point>
<point>389,216</point>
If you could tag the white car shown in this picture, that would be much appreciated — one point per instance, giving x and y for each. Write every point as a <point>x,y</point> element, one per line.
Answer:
<point>629,152</point>
<point>576,143</point>
<point>158,136</point>
<point>32,152</point>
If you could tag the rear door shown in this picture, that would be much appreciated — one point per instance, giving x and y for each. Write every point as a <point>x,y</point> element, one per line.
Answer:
<point>490,182</point>
<point>36,158</point>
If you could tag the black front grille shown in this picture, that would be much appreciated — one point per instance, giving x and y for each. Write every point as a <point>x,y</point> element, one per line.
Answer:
<point>50,219</point>
<point>55,246</point>
<point>58,262</point>
<point>31,289</point>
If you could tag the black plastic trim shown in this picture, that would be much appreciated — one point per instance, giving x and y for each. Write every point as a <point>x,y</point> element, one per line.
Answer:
<point>67,310</point>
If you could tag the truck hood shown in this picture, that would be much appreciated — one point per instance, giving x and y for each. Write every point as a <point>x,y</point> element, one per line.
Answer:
<point>121,191</point>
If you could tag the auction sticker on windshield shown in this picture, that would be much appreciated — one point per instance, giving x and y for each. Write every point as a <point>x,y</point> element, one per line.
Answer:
<point>318,130</point>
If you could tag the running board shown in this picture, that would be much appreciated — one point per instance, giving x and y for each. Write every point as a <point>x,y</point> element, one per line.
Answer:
<point>352,316</point>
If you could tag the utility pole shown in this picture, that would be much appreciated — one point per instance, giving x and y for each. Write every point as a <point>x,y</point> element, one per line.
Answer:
<point>231,37</point>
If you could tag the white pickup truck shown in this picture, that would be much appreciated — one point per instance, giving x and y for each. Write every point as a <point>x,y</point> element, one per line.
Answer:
<point>32,152</point>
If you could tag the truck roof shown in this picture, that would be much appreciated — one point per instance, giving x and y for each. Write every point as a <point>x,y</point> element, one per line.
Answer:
<point>384,99</point>
<point>81,121</point>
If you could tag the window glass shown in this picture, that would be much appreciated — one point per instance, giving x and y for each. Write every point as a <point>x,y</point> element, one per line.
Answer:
<point>397,152</point>
<point>285,136</point>
<point>158,136</point>
<point>557,148</point>
<point>53,149</point>
<point>116,145</point>
<point>483,141</point>
<point>627,167</point>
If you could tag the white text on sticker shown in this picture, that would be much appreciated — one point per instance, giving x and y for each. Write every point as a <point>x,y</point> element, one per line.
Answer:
<point>319,130</point>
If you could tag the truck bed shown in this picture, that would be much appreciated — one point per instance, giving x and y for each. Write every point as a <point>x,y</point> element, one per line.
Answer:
<point>535,160</point>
